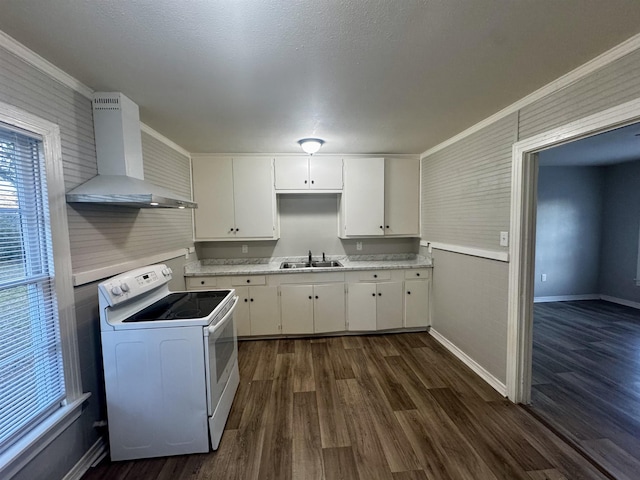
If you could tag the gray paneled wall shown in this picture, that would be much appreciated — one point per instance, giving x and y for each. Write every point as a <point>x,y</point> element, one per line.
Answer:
<point>466,201</point>
<point>609,86</point>
<point>99,236</point>
<point>466,188</point>
<point>470,307</point>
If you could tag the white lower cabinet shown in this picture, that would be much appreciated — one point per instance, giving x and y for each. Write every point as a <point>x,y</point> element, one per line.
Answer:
<point>416,303</point>
<point>312,303</point>
<point>312,308</point>
<point>374,306</point>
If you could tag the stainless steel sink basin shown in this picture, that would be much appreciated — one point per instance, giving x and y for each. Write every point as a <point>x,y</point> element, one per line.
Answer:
<point>327,264</point>
<point>295,265</point>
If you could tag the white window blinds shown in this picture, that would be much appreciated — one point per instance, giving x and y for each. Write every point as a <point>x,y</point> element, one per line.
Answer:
<point>31,371</point>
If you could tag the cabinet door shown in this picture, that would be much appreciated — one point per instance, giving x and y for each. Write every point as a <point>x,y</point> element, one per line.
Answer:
<point>213,191</point>
<point>265,316</point>
<point>241,314</point>
<point>296,308</point>
<point>389,305</point>
<point>325,173</point>
<point>329,308</point>
<point>363,197</point>
<point>361,306</point>
<point>416,303</point>
<point>254,197</point>
<point>292,173</point>
<point>402,196</point>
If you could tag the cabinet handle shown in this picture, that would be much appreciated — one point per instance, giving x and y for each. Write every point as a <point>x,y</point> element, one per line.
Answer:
<point>387,226</point>
<point>246,300</point>
<point>373,294</point>
<point>408,293</point>
<point>375,275</point>
<point>312,182</point>
<point>381,227</point>
<point>231,230</point>
<point>305,182</point>
<point>237,229</point>
<point>316,297</point>
<point>379,294</point>
<point>252,299</point>
<point>310,297</point>
<point>417,274</point>
<point>248,280</point>
<point>201,282</point>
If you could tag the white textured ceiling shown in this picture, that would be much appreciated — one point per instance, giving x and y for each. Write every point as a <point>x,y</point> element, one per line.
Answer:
<point>368,76</point>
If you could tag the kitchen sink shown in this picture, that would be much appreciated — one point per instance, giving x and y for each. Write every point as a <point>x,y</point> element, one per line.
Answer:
<point>295,265</point>
<point>326,264</point>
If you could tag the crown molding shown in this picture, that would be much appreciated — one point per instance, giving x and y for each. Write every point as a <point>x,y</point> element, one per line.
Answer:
<point>32,58</point>
<point>573,76</point>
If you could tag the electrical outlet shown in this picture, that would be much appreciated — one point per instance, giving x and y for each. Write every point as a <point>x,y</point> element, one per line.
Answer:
<point>504,239</point>
<point>245,248</point>
<point>358,245</point>
<point>543,277</point>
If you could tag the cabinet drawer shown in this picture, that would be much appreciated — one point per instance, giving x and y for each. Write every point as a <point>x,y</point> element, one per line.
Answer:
<point>375,275</point>
<point>249,280</point>
<point>417,273</point>
<point>201,282</point>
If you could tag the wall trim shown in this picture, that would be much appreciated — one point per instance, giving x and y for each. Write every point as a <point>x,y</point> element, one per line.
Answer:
<point>567,298</point>
<point>573,76</point>
<point>401,156</point>
<point>35,60</point>
<point>88,276</point>
<point>475,252</point>
<point>522,228</point>
<point>95,453</point>
<point>161,138</point>
<point>470,362</point>
<point>59,75</point>
<point>620,301</point>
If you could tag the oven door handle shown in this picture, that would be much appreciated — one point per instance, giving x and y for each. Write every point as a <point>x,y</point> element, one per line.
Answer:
<point>214,328</point>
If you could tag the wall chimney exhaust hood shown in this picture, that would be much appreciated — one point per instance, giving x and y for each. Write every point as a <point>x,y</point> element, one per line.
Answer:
<point>120,180</point>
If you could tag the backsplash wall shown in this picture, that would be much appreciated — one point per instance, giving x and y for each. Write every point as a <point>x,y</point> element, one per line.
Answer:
<point>307,222</point>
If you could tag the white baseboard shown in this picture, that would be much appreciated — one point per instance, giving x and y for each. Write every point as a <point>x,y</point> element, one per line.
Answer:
<point>567,298</point>
<point>93,455</point>
<point>471,363</point>
<point>594,296</point>
<point>620,301</point>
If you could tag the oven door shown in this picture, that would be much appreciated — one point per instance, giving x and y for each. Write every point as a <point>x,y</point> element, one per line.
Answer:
<point>221,355</point>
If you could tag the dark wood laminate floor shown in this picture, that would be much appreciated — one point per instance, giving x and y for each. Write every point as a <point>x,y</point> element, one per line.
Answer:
<point>395,407</point>
<point>586,379</point>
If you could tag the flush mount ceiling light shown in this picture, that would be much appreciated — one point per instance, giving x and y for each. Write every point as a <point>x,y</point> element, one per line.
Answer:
<point>310,145</point>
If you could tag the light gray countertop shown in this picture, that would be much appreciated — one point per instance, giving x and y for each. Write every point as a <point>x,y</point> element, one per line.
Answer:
<point>271,266</point>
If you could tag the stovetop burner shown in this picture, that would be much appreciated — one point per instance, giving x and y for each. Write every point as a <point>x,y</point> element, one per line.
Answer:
<point>184,305</point>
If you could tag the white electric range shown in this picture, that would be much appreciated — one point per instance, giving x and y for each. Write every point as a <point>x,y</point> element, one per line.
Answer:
<point>170,364</point>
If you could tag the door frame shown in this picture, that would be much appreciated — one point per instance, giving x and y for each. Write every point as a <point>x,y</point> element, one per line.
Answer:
<point>524,173</point>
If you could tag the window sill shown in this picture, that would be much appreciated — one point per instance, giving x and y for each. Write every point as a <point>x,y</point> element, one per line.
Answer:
<point>29,446</point>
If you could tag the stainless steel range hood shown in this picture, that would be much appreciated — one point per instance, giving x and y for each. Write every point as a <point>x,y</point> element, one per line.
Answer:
<point>120,180</point>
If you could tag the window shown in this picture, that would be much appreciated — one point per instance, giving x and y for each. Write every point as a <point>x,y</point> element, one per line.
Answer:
<point>40,388</point>
<point>31,371</point>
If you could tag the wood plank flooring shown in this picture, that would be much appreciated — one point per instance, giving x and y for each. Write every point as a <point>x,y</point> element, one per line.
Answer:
<point>586,379</point>
<point>392,407</point>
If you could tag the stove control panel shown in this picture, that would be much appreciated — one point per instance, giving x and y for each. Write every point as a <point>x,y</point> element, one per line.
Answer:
<point>129,285</point>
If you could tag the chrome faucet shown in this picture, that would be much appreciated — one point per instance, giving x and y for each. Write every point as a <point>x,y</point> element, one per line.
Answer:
<point>323,259</point>
<point>309,256</point>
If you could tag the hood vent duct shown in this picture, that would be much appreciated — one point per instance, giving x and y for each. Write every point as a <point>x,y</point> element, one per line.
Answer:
<point>120,180</point>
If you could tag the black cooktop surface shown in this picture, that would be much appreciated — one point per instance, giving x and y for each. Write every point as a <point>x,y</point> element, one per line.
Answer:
<point>183,305</point>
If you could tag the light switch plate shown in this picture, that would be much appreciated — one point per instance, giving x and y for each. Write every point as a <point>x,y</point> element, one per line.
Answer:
<point>245,248</point>
<point>504,239</point>
<point>358,245</point>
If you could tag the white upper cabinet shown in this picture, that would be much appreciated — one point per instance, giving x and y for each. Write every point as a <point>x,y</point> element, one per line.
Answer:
<point>304,174</point>
<point>236,198</point>
<point>362,203</point>
<point>380,198</point>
